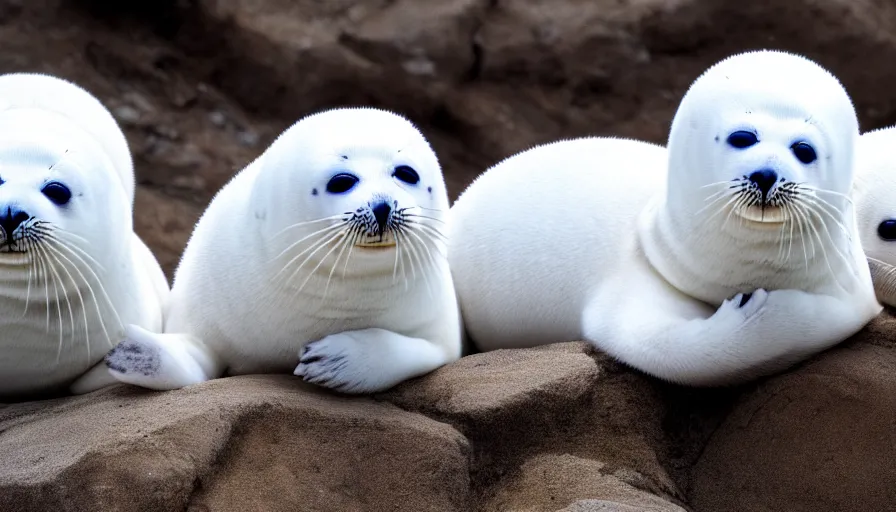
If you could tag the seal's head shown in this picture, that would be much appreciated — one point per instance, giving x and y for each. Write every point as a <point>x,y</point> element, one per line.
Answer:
<point>763,135</point>
<point>355,178</point>
<point>875,197</point>
<point>61,209</point>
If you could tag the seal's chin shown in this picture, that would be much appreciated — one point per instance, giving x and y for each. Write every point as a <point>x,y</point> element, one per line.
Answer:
<point>772,215</point>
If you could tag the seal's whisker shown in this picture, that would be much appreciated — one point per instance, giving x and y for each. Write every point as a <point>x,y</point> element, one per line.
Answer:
<point>789,209</point>
<point>428,209</point>
<point>63,246</point>
<point>77,288</point>
<point>337,238</point>
<point>804,222</point>
<point>407,246</point>
<point>795,210</point>
<point>817,236</point>
<point>822,209</point>
<point>712,199</point>
<point>344,243</point>
<point>39,227</point>
<point>733,206</point>
<point>314,248</point>
<point>395,265</point>
<point>425,217</point>
<point>413,249</point>
<point>28,242</point>
<point>59,237</point>
<point>716,184</point>
<point>315,244</point>
<point>42,270</point>
<point>430,229</point>
<point>780,255</point>
<point>426,250</point>
<point>841,195</point>
<point>351,245</point>
<point>57,285</point>
<point>813,211</point>
<point>425,237</point>
<point>321,232</point>
<point>99,311</point>
<point>399,246</point>
<point>340,216</point>
<point>724,194</point>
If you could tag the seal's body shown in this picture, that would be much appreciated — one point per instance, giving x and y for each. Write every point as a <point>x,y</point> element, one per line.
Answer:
<point>731,254</point>
<point>329,244</point>
<point>72,271</point>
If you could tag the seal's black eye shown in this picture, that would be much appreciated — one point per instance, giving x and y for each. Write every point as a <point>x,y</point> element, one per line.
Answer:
<point>341,183</point>
<point>886,230</point>
<point>406,174</point>
<point>803,152</point>
<point>57,192</point>
<point>742,139</point>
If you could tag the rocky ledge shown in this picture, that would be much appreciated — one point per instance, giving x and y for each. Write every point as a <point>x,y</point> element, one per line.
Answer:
<point>549,429</point>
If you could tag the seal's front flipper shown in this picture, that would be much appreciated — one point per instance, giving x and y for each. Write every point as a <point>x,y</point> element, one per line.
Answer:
<point>367,360</point>
<point>95,378</point>
<point>161,361</point>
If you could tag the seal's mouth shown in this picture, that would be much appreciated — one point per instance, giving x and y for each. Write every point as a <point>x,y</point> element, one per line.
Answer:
<point>767,214</point>
<point>377,245</point>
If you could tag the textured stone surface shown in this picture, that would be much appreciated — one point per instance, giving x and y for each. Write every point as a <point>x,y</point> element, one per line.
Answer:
<point>822,437</point>
<point>242,443</point>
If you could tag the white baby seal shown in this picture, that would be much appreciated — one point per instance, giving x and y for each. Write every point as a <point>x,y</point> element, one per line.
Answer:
<point>874,193</point>
<point>325,251</point>
<point>747,262</point>
<point>72,271</point>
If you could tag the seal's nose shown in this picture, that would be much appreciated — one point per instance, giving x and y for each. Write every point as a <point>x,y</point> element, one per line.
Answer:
<point>764,179</point>
<point>12,219</point>
<point>381,211</point>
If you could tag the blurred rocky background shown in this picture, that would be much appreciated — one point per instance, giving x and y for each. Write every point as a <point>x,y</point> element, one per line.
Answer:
<point>202,86</point>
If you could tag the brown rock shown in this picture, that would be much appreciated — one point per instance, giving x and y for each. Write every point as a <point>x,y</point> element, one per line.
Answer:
<point>822,437</point>
<point>514,405</point>
<point>546,482</point>
<point>613,506</point>
<point>243,443</point>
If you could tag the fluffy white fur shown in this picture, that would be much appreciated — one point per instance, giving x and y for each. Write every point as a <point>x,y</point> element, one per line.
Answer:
<point>75,273</point>
<point>67,100</point>
<point>275,277</point>
<point>875,197</point>
<point>693,283</point>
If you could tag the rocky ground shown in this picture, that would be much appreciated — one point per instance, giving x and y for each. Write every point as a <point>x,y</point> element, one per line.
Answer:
<point>202,86</point>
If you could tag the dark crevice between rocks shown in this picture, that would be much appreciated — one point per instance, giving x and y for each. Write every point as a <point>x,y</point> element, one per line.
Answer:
<point>689,417</point>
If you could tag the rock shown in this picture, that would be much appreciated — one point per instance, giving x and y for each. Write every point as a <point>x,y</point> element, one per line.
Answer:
<point>547,481</point>
<point>822,437</point>
<point>516,405</point>
<point>242,443</point>
<point>612,506</point>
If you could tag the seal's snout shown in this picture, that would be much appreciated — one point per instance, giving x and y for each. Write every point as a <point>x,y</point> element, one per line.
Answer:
<point>764,179</point>
<point>11,219</point>
<point>381,212</point>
